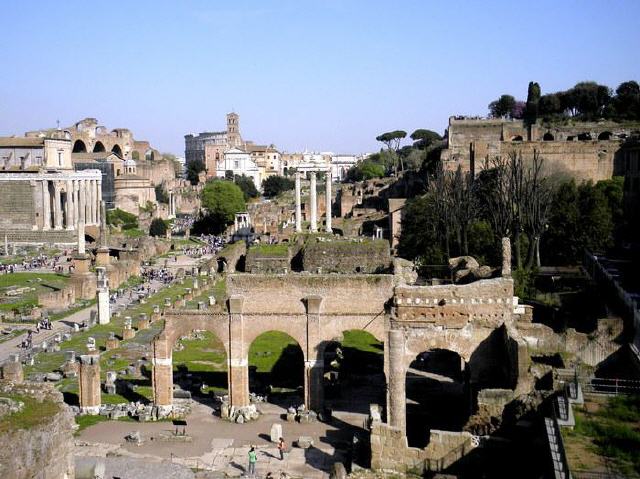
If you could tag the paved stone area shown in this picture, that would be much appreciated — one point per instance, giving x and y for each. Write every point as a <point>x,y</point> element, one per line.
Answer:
<point>219,446</point>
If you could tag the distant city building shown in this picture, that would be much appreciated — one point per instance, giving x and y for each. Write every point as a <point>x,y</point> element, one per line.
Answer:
<point>340,164</point>
<point>43,199</point>
<point>209,147</point>
<point>239,162</point>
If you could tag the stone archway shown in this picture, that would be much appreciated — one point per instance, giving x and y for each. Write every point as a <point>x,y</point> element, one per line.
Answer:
<point>276,367</point>
<point>79,147</point>
<point>117,150</point>
<point>437,394</point>
<point>98,147</point>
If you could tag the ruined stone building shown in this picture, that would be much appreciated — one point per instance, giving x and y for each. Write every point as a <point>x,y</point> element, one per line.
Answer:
<point>585,151</point>
<point>87,136</point>
<point>43,199</point>
<point>209,146</point>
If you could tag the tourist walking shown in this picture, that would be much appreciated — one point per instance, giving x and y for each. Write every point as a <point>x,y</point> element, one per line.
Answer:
<point>253,457</point>
<point>282,447</point>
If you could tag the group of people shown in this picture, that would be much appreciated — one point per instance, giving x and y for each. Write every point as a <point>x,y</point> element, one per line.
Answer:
<point>211,245</point>
<point>27,342</point>
<point>56,263</point>
<point>159,274</point>
<point>253,459</point>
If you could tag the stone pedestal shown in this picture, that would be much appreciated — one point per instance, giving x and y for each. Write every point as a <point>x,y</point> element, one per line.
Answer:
<point>128,333</point>
<point>143,323</point>
<point>81,263</point>
<point>12,369</point>
<point>102,257</point>
<point>112,343</point>
<point>89,382</point>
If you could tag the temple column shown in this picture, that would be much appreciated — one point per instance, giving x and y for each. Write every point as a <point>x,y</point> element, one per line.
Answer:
<point>76,203</point>
<point>46,206</point>
<point>68,206</point>
<point>298,207</point>
<point>57,206</point>
<point>82,202</point>
<point>99,201</point>
<point>87,192</point>
<point>396,394</point>
<point>94,203</point>
<point>327,200</point>
<point>314,203</point>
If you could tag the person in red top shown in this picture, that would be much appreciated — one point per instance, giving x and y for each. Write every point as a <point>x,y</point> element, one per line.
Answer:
<point>282,447</point>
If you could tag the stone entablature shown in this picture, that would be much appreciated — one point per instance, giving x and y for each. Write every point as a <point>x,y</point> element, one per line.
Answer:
<point>487,299</point>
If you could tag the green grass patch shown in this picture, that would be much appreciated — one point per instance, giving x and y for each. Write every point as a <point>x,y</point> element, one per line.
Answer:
<point>267,349</point>
<point>33,414</point>
<point>201,355</point>
<point>362,341</point>
<point>270,250</point>
<point>37,282</point>
<point>611,433</point>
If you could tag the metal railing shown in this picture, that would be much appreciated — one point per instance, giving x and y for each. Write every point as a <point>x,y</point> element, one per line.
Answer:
<point>611,387</point>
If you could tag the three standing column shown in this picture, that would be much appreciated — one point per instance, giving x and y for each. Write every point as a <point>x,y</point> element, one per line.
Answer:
<point>314,203</point>
<point>327,203</point>
<point>298,207</point>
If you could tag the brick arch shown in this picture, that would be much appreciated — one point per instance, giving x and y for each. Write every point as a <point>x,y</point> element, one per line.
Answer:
<point>178,324</point>
<point>256,326</point>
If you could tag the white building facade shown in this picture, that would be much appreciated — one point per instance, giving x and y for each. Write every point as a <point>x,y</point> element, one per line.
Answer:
<point>239,162</point>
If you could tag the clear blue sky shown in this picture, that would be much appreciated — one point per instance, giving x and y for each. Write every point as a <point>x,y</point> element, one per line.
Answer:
<point>326,75</point>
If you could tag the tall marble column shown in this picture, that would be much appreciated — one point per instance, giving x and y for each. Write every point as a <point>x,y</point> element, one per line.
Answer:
<point>46,206</point>
<point>99,200</point>
<point>92,202</point>
<point>327,200</point>
<point>298,207</point>
<point>68,209</point>
<point>76,201</point>
<point>82,202</point>
<point>314,203</point>
<point>57,206</point>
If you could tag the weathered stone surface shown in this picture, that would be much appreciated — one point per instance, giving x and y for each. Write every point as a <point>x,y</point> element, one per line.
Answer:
<point>276,432</point>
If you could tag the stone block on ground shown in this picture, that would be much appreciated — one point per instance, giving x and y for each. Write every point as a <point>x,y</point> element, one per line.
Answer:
<point>304,442</point>
<point>276,432</point>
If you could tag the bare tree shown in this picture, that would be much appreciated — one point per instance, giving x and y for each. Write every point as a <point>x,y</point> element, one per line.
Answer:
<point>464,206</point>
<point>536,207</point>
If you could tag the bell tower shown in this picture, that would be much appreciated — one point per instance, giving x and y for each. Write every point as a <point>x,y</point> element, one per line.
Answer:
<point>233,130</point>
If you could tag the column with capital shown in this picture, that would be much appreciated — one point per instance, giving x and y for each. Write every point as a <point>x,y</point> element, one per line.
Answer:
<point>327,200</point>
<point>92,201</point>
<point>298,207</point>
<point>314,203</point>
<point>46,206</point>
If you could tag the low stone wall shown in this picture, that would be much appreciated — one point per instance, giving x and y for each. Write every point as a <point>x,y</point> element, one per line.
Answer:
<point>44,450</point>
<point>61,299</point>
<point>390,451</point>
<point>340,256</point>
<point>268,259</point>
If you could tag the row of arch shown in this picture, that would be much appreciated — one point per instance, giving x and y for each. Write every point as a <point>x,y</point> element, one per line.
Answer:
<point>548,136</point>
<point>79,146</point>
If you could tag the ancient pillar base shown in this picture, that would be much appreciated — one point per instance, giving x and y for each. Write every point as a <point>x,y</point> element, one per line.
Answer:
<point>12,371</point>
<point>90,410</point>
<point>128,333</point>
<point>81,263</point>
<point>155,317</point>
<point>102,257</point>
<point>112,343</point>
<point>164,410</point>
<point>143,324</point>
